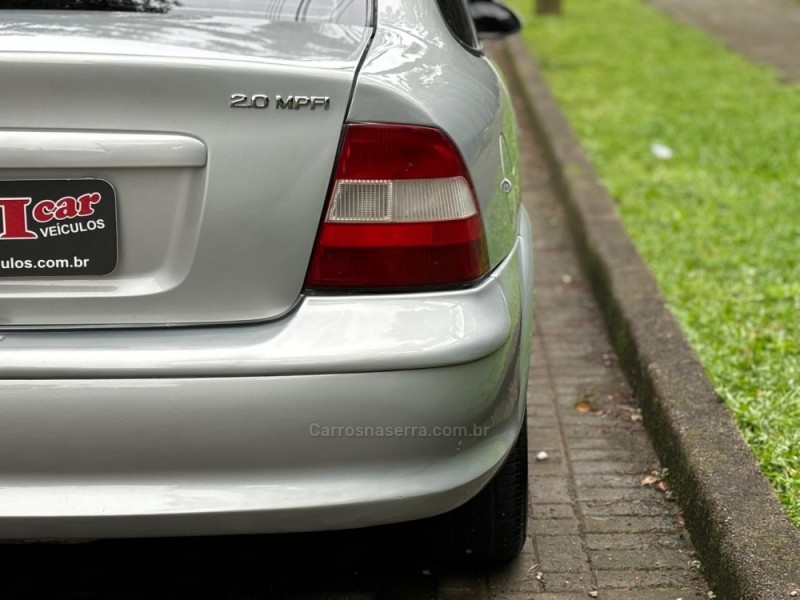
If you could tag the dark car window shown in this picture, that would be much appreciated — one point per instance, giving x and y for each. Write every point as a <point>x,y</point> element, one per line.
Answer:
<point>351,12</point>
<point>456,14</point>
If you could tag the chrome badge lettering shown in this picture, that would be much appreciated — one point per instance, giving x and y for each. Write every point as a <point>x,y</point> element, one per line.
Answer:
<point>298,102</point>
<point>262,101</point>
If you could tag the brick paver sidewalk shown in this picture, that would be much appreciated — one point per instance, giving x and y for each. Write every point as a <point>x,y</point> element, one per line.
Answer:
<point>594,526</point>
<point>766,31</point>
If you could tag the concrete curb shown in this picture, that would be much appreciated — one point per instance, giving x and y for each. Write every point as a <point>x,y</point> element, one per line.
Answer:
<point>748,547</point>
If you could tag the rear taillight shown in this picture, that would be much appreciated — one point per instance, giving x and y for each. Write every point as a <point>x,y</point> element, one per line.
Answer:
<point>402,214</point>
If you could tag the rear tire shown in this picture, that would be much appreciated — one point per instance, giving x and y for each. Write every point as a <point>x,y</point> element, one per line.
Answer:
<point>491,527</point>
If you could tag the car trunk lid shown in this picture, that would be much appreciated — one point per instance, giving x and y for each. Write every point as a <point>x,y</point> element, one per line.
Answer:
<point>211,139</point>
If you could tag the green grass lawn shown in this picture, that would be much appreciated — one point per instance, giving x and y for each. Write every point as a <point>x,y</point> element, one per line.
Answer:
<point>718,222</point>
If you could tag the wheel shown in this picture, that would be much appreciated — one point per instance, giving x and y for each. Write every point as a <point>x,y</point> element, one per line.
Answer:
<point>491,527</point>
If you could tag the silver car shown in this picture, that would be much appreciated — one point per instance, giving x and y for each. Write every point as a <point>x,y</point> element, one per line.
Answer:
<point>263,268</point>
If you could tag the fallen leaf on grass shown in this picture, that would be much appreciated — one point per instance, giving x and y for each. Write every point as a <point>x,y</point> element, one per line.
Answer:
<point>661,151</point>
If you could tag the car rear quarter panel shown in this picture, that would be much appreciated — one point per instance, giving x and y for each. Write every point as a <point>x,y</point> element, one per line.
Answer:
<point>417,72</point>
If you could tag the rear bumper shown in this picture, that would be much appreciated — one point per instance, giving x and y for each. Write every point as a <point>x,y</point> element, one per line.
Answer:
<point>394,414</point>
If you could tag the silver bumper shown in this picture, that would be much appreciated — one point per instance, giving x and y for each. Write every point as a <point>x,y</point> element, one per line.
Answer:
<point>393,413</point>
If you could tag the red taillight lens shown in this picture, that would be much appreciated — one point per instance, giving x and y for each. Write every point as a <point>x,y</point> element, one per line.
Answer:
<point>402,214</point>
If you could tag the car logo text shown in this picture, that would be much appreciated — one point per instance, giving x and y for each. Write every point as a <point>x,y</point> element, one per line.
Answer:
<point>263,101</point>
<point>14,221</point>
